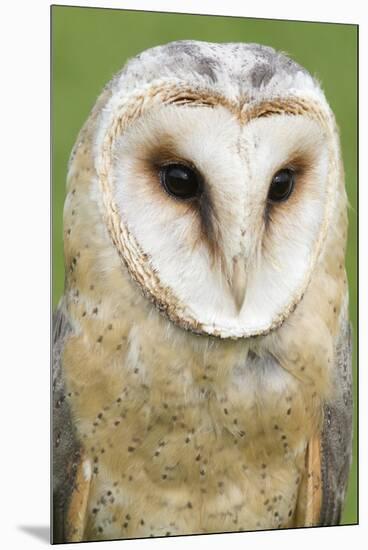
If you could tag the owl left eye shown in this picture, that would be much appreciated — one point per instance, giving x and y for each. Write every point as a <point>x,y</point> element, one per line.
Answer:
<point>180,181</point>
<point>282,185</point>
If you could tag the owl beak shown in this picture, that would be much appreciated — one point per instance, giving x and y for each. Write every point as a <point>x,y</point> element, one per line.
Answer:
<point>238,282</point>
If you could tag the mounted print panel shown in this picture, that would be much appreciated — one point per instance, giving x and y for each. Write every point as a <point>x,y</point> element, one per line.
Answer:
<point>204,281</point>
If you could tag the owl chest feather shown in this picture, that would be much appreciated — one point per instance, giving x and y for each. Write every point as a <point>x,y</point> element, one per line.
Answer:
<point>187,438</point>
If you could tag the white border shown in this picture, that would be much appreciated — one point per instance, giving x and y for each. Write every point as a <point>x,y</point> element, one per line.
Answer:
<point>25,268</point>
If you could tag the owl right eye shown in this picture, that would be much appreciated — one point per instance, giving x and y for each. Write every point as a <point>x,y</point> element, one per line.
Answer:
<point>180,181</point>
<point>282,185</point>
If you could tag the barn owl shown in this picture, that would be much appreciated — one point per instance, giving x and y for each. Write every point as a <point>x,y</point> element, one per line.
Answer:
<point>202,348</point>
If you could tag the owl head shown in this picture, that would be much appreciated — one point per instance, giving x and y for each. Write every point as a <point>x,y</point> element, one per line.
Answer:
<point>216,169</point>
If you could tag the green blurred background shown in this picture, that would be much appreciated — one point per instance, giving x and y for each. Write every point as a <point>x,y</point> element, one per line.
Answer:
<point>89,45</point>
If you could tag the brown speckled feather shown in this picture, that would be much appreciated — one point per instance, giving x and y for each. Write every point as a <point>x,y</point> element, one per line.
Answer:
<point>329,453</point>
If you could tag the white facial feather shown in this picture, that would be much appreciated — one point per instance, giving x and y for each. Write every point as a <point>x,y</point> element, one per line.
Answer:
<point>237,162</point>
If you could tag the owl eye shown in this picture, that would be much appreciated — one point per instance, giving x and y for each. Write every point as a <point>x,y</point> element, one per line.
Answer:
<point>180,181</point>
<point>282,185</point>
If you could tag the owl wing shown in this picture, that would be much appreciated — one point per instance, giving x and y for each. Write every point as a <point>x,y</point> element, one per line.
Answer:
<point>329,454</point>
<point>337,432</point>
<point>70,471</point>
